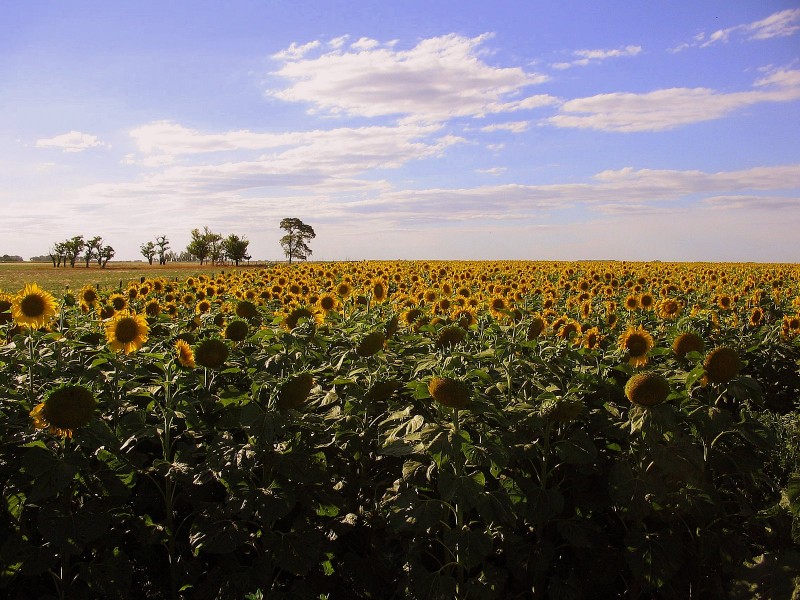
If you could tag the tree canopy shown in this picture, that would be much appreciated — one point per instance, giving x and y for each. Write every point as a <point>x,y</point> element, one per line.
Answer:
<point>295,242</point>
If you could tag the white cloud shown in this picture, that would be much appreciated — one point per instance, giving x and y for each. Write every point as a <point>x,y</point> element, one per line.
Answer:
<point>295,52</point>
<point>492,170</point>
<point>72,141</point>
<point>780,24</point>
<point>512,126</point>
<point>439,78</point>
<point>669,108</point>
<point>586,57</point>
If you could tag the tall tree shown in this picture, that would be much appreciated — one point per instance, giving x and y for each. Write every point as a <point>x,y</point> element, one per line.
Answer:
<point>295,242</point>
<point>93,247</point>
<point>148,250</point>
<point>106,254</point>
<point>202,243</point>
<point>236,248</point>
<point>162,244</point>
<point>74,247</point>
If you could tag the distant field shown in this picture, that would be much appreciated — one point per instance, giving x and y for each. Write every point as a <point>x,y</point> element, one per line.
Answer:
<point>13,276</point>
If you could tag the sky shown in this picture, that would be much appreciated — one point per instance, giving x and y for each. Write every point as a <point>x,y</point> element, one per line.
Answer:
<point>421,129</point>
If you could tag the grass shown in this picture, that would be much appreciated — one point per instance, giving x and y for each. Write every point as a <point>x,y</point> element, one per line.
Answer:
<point>13,276</point>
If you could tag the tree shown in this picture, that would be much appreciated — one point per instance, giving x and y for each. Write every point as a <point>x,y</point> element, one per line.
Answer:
<point>236,248</point>
<point>148,250</point>
<point>162,244</point>
<point>106,254</point>
<point>74,246</point>
<point>93,247</point>
<point>295,242</point>
<point>202,243</point>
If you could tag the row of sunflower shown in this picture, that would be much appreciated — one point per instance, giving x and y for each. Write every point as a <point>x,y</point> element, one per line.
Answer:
<point>404,429</point>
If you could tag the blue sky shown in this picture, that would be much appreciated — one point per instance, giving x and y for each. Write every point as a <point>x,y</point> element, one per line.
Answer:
<point>416,129</point>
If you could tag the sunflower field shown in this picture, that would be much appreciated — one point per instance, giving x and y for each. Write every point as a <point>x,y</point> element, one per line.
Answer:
<point>405,430</point>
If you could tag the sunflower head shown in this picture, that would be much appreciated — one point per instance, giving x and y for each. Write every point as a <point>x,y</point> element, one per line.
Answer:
<point>236,330</point>
<point>211,353</point>
<point>379,291</point>
<point>126,332</point>
<point>450,336</point>
<point>118,301</point>
<point>246,309</point>
<point>687,342</point>
<point>721,365</point>
<point>562,410</point>
<point>184,354</point>
<point>297,315</point>
<point>647,389</point>
<point>65,408</point>
<point>449,392</point>
<point>381,390</point>
<point>327,302</point>
<point>636,343</point>
<point>371,344</point>
<point>294,392</point>
<point>5,309</point>
<point>537,326</point>
<point>33,307</point>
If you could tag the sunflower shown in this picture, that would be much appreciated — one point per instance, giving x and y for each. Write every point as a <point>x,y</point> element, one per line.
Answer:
<point>127,332</point>
<point>118,301</point>
<point>636,342</point>
<point>790,326</point>
<point>327,302</point>
<point>569,329</point>
<point>65,408</point>
<point>88,296</point>
<point>537,326</point>
<point>450,336</point>
<point>211,353</point>
<point>647,302</point>
<point>344,289</point>
<point>756,317</point>
<point>33,307</point>
<point>591,338</point>
<point>152,308</point>
<point>6,302</point>
<point>202,307</point>
<point>246,309</point>
<point>631,302</point>
<point>721,365</point>
<point>294,392</point>
<point>647,389</point>
<point>371,344</point>
<point>236,330</point>
<point>297,315</point>
<point>449,392</point>
<point>669,308</point>
<point>184,354</point>
<point>498,306</point>
<point>687,342</point>
<point>562,410</point>
<point>379,291</point>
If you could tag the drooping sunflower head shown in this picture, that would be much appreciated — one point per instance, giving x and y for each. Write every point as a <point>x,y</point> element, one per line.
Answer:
<point>211,353</point>
<point>449,392</point>
<point>756,317</point>
<point>450,336</point>
<point>591,338</point>
<point>65,408</point>
<point>294,392</point>
<point>184,354</point>
<point>569,329</point>
<point>236,330</point>
<point>562,410</point>
<point>636,343</point>
<point>537,326</point>
<point>647,389</point>
<point>687,342</point>
<point>246,309</point>
<point>379,291</point>
<point>296,316</point>
<point>126,332</point>
<point>721,365</point>
<point>33,307</point>
<point>371,344</point>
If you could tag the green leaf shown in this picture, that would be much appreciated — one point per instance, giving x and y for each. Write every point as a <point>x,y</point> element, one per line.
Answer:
<point>469,547</point>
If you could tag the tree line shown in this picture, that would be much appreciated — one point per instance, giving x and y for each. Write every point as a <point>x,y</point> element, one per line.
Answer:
<point>76,247</point>
<point>205,246</point>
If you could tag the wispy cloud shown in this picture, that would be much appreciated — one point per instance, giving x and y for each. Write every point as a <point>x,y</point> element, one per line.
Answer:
<point>672,107</point>
<point>512,126</point>
<point>587,57</point>
<point>780,24</point>
<point>72,141</point>
<point>439,78</point>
